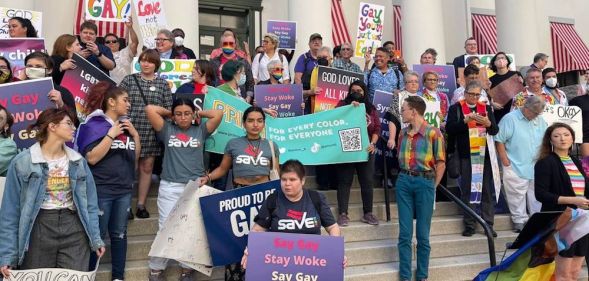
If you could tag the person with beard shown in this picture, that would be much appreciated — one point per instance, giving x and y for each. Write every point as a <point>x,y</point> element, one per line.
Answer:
<point>381,76</point>
<point>551,86</point>
<point>365,170</point>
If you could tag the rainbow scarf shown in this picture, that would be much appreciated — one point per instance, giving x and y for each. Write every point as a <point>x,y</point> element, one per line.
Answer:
<point>477,136</point>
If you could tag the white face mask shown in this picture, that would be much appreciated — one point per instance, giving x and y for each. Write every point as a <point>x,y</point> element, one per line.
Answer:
<point>179,40</point>
<point>551,82</point>
<point>241,80</point>
<point>35,72</point>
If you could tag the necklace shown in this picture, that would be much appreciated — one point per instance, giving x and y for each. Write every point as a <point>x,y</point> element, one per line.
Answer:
<point>256,148</point>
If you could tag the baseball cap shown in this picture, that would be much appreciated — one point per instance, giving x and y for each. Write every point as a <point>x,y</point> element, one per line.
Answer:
<point>315,36</point>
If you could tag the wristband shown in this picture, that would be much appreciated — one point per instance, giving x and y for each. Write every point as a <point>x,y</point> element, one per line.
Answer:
<point>110,137</point>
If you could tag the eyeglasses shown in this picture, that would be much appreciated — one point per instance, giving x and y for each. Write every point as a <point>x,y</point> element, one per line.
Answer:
<point>162,39</point>
<point>69,124</point>
<point>431,80</point>
<point>112,42</point>
<point>474,94</point>
<point>412,82</point>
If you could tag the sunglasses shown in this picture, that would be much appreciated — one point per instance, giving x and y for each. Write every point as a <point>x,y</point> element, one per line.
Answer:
<point>110,42</point>
<point>161,39</point>
<point>346,49</point>
<point>228,44</point>
<point>278,69</point>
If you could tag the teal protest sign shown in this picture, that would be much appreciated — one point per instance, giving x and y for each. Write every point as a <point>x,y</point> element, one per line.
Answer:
<point>335,136</point>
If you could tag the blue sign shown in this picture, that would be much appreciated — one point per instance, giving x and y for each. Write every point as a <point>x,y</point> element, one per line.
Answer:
<point>286,31</point>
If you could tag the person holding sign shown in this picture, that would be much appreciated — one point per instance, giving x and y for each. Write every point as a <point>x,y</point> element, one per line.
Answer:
<point>107,140</point>
<point>469,122</point>
<point>275,68</point>
<point>49,220</point>
<point>63,49</point>
<point>20,27</point>
<point>365,170</point>
<point>97,54</point>
<point>422,163</point>
<point>7,145</point>
<point>282,211</point>
<point>381,76</point>
<point>561,183</point>
<point>183,161</point>
<point>260,61</point>
<point>500,65</point>
<point>431,93</point>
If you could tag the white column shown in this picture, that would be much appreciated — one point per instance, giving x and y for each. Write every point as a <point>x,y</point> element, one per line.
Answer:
<point>20,4</point>
<point>312,16</point>
<point>184,14</point>
<point>516,29</point>
<point>55,23</point>
<point>423,27</point>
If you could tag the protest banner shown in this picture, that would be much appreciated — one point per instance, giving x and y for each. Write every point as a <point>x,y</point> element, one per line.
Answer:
<point>287,99</point>
<point>6,14</point>
<point>447,77</point>
<point>197,99</point>
<point>183,237</point>
<point>506,90</point>
<point>79,80</point>
<point>486,62</point>
<point>151,17</point>
<point>176,72</point>
<point>286,32</point>
<point>17,49</point>
<point>107,10</point>
<point>52,274</point>
<point>382,101</point>
<point>287,256</point>
<point>335,136</point>
<point>570,115</point>
<point>334,84</point>
<point>228,218</point>
<point>370,28</point>
<point>25,100</point>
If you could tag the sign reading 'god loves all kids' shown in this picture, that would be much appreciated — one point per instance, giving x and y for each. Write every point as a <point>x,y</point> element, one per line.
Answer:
<point>6,14</point>
<point>300,257</point>
<point>370,28</point>
<point>107,10</point>
<point>25,100</point>
<point>334,84</point>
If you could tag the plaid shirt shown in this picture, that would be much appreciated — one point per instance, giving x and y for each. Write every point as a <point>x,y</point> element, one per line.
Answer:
<point>421,151</point>
<point>348,66</point>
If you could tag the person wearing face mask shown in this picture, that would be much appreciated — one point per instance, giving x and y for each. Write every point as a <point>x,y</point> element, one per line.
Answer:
<point>246,89</point>
<point>240,53</point>
<point>551,86</point>
<point>6,75</point>
<point>203,76</point>
<point>500,65</point>
<point>275,69</point>
<point>583,87</point>
<point>381,76</point>
<point>365,170</point>
<point>179,47</point>
<point>39,65</point>
<point>165,43</point>
<point>7,145</point>
<point>260,61</point>
<point>533,88</point>
<point>324,58</point>
<point>234,77</point>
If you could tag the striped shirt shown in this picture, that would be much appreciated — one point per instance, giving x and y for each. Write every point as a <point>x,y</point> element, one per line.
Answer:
<point>577,180</point>
<point>421,151</point>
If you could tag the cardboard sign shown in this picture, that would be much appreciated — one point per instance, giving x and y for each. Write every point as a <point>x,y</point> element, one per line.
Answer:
<point>370,28</point>
<point>6,14</point>
<point>151,17</point>
<point>17,49</point>
<point>284,98</point>
<point>79,80</point>
<point>506,90</point>
<point>571,115</point>
<point>107,10</point>
<point>285,256</point>
<point>447,78</point>
<point>176,72</point>
<point>334,84</point>
<point>26,100</point>
<point>286,31</point>
<point>228,218</point>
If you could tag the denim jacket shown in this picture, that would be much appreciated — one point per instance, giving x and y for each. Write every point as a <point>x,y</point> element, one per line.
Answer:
<point>24,193</point>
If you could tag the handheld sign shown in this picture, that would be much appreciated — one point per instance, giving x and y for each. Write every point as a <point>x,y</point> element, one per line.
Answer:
<point>284,98</point>
<point>370,28</point>
<point>176,72</point>
<point>286,32</point>
<point>570,115</point>
<point>334,84</point>
<point>107,10</point>
<point>446,74</point>
<point>284,256</point>
<point>15,51</point>
<point>6,14</point>
<point>151,18</point>
<point>382,101</point>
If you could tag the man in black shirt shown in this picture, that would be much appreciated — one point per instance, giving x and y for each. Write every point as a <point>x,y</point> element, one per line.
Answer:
<point>97,54</point>
<point>471,48</point>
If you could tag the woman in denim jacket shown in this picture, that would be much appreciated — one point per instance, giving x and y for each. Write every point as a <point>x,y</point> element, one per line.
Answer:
<point>49,210</point>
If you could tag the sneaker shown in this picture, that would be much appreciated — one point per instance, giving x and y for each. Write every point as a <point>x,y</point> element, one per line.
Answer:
<point>468,232</point>
<point>156,275</point>
<point>369,218</point>
<point>187,276</point>
<point>343,220</point>
<point>142,213</point>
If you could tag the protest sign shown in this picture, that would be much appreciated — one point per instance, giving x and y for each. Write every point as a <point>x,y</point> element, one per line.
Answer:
<point>79,80</point>
<point>370,28</point>
<point>486,62</point>
<point>107,10</point>
<point>183,237</point>
<point>506,90</point>
<point>6,14</point>
<point>286,256</point>
<point>334,84</point>
<point>570,115</point>
<point>446,75</point>
<point>52,274</point>
<point>151,17</point>
<point>176,72</point>
<point>284,98</point>
<point>335,136</point>
<point>228,217</point>
<point>432,115</point>
<point>286,31</point>
<point>17,49</point>
<point>382,101</point>
<point>25,100</point>
<point>482,76</point>
<point>197,99</point>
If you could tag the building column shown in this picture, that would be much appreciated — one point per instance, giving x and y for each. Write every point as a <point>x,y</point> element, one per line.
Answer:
<point>184,14</point>
<point>423,27</point>
<point>312,16</point>
<point>516,29</point>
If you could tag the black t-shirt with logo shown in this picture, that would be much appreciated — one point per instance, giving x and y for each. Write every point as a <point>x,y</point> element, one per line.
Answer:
<point>295,217</point>
<point>114,174</point>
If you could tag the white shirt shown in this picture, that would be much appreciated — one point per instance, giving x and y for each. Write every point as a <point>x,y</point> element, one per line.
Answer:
<point>123,60</point>
<point>260,67</point>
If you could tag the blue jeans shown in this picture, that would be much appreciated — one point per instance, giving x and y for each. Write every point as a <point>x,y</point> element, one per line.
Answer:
<point>414,194</point>
<point>113,211</point>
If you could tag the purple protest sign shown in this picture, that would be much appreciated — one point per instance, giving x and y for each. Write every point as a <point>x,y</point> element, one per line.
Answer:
<point>382,101</point>
<point>287,99</point>
<point>16,49</point>
<point>25,100</point>
<point>447,82</point>
<point>285,256</point>
<point>286,31</point>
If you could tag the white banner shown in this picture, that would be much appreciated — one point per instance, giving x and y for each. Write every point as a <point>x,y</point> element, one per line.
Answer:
<point>151,17</point>
<point>7,13</point>
<point>370,28</point>
<point>52,274</point>
<point>107,10</point>
<point>570,115</point>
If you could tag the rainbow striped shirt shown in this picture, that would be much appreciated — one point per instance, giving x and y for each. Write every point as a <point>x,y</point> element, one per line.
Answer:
<point>421,151</point>
<point>577,179</point>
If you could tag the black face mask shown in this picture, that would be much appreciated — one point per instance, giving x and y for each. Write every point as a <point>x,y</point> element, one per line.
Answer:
<point>323,62</point>
<point>355,96</point>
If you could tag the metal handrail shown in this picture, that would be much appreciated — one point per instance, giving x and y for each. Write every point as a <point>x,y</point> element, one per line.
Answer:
<point>474,215</point>
<point>387,201</point>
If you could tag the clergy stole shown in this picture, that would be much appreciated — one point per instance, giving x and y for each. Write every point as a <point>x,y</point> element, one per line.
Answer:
<point>477,136</point>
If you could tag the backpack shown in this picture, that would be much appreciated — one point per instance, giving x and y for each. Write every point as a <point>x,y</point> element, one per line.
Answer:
<point>394,70</point>
<point>315,198</point>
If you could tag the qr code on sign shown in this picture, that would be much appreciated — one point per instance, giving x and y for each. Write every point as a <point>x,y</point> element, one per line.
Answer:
<point>350,139</point>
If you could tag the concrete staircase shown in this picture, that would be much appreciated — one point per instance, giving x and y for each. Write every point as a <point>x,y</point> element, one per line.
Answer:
<point>371,250</point>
